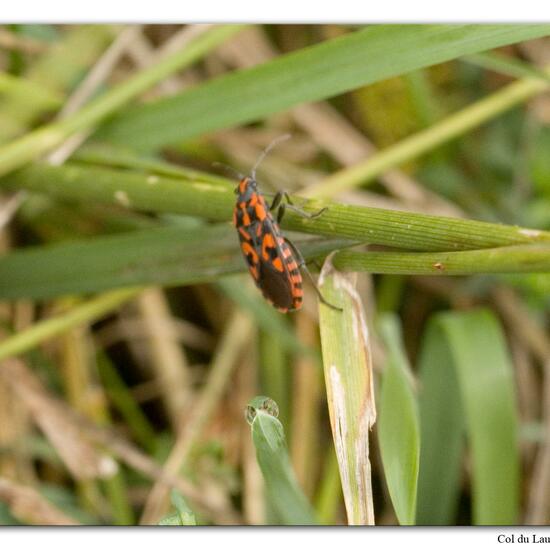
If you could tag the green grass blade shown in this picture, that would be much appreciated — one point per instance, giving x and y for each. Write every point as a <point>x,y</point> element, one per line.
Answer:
<point>86,312</point>
<point>209,197</point>
<point>504,64</point>
<point>349,383</point>
<point>475,346</point>
<point>159,256</point>
<point>52,75</point>
<point>268,437</point>
<point>398,425</point>
<point>428,139</point>
<point>17,153</point>
<point>441,431</point>
<point>505,259</point>
<point>183,514</point>
<point>359,58</point>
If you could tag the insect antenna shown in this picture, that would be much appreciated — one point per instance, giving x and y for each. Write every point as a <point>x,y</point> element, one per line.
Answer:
<point>273,144</point>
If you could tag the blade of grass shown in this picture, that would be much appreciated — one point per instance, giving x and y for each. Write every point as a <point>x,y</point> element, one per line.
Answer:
<point>121,397</point>
<point>349,384</point>
<point>506,65</point>
<point>212,199</point>
<point>53,74</point>
<point>31,146</point>
<point>426,140</point>
<point>475,346</point>
<point>164,255</point>
<point>268,437</point>
<point>441,431</point>
<point>506,259</point>
<point>29,93</point>
<point>398,424</point>
<point>317,72</point>
<point>183,514</point>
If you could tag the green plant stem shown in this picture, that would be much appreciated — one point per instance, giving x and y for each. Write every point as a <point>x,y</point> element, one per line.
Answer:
<point>35,144</point>
<point>506,259</point>
<point>426,140</point>
<point>210,198</point>
<point>84,313</point>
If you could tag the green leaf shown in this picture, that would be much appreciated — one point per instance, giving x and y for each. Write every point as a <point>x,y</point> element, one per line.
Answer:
<point>268,437</point>
<point>51,76</point>
<point>183,514</point>
<point>506,65</point>
<point>473,343</point>
<point>347,364</point>
<point>213,198</point>
<point>357,59</point>
<point>162,255</point>
<point>32,145</point>
<point>441,433</point>
<point>398,425</point>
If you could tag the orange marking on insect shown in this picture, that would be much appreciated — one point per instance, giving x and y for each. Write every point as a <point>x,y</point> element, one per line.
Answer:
<point>253,199</point>
<point>249,250</point>
<point>246,217</point>
<point>297,292</point>
<point>244,233</point>
<point>292,265</point>
<point>267,242</point>
<point>242,185</point>
<point>296,278</point>
<point>260,212</point>
<point>278,264</point>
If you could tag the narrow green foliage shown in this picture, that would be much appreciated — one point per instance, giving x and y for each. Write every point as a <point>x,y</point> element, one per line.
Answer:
<point>311,74</point>
<point>473,344</point>
<point>169,255</point>
<point>442,432</point>
<point>34,144</point>
<point>398,424</point>
<point>268,437</point>
<point>426,140</point>
<point>510,66</point>
<point>505,259</point>
<point>214,200</point>
<point>183,514</point>
<point>348,372</point>
<point>42,86</point>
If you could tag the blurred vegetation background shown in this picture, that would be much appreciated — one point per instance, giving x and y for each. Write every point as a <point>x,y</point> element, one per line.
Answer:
<point>132,340</point>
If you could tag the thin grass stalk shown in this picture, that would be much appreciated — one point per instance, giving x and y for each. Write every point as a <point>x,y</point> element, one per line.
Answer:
<point>87,312</point>
<point>209,197</point>
<point>427,140</point>
<point>33,145</point>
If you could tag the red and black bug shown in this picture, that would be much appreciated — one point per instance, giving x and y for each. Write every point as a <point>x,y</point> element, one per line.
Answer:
<point>273,261</point>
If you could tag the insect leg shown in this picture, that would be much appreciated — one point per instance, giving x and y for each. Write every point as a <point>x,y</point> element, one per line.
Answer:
<point>302,265</point>
<point>277,200</point>
<point>280,206</point>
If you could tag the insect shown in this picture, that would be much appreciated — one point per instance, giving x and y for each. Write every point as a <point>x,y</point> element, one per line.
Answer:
<point>273,261</point>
